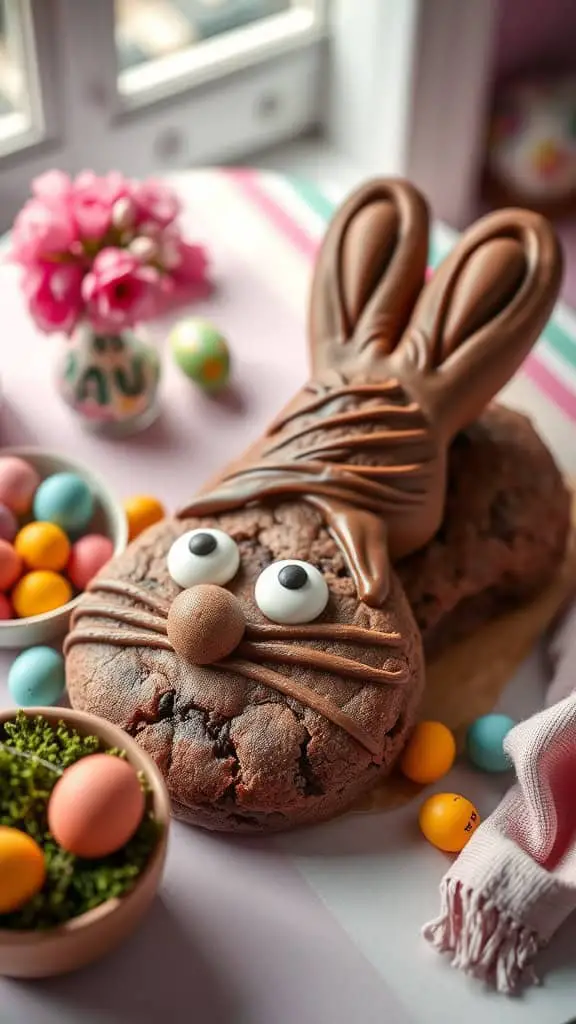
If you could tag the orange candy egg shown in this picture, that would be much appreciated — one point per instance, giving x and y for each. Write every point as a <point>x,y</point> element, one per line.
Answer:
<point>43,546</point>
<point>96,806</point>
<point>10,565</point>
<point>448,820</point>
<point>429,754</point>
<point>142,511</point>
<point>22,869</point>
<point>40,591</point>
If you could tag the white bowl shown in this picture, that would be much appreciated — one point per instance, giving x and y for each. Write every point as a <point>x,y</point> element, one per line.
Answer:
<point>109,518</point>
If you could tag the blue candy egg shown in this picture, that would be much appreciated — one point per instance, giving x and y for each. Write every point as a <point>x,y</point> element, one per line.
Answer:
<point>37,677</point>
<point>485,742</point>
<point>65,499</point>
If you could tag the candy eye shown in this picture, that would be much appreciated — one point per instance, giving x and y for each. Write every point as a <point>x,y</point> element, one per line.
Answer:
<point>203,556</point>
<point>291,592</point>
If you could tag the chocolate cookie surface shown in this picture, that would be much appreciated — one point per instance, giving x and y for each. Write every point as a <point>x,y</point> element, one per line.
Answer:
<point>237,754</point>
<point>504,533</point>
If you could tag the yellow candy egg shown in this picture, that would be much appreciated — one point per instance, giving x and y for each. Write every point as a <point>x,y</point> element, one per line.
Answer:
<point>448,820</point>
<point>22,869</point>
<point>429,754</point>
<point>43,546</point>
<point>142,511</point>
<point>40,591</point>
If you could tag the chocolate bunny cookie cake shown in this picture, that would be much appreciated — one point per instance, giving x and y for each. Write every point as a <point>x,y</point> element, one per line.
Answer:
<point>260,644</point>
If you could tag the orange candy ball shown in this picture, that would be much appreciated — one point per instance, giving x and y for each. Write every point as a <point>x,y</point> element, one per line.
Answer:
<point>43,546</point>
<point>448,820</point>
<point>429,754</point>
<point>22,869</point>
<point>40,591</point>
<point>10,565</point>
<point>142,511</point>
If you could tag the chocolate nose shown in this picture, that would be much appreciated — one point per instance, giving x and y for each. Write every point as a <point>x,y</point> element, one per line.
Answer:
<point>205,624</point>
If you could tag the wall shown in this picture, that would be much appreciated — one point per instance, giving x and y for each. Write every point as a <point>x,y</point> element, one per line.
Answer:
<point>535,35</point>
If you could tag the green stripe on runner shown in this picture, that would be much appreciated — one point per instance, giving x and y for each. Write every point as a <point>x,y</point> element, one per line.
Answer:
<point>311,195</point>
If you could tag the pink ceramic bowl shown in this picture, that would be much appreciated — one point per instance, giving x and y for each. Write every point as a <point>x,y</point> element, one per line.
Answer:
<point>30,954</point>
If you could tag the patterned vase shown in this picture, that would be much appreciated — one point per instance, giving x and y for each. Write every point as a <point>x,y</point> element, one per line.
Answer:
<point>109,380</point>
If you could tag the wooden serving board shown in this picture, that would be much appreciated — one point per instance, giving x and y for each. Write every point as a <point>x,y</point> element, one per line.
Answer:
<point>468,679</point>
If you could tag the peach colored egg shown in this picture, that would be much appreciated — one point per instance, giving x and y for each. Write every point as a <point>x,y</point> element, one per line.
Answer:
<point>96,806</point>
<point>18,483</point>
<point>11,565</point>
<point>88,556</point>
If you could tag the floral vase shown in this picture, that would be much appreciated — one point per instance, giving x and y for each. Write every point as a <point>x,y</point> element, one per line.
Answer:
<point>109,380</point>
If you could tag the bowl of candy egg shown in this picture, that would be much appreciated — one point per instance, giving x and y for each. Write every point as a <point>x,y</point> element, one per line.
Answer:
<point>85,818</point>
<point>59,524</point>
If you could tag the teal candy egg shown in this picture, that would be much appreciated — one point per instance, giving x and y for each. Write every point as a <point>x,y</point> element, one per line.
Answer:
<point>37,677</point>
<point>485,742</point>
<point>201,352</point>
<point>65,499</point>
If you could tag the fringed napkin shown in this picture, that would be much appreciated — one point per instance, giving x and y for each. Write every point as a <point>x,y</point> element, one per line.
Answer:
<point>515,882</point>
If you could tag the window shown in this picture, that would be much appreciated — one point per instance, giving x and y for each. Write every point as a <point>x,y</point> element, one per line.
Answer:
<point>21,120</point>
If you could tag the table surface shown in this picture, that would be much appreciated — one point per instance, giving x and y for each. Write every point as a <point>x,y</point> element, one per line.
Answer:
<point>322,924</point>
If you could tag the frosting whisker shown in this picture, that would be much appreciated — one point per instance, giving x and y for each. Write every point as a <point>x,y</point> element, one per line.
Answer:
<point>125,589</point>
<point>322,661</point>
<point>117,638</point>
<point>119,613</point>
<point>306,696</point>
<point>325,631</point>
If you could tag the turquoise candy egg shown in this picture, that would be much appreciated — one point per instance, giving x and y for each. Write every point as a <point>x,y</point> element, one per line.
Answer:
<point>37,677</point>
<point>65,499</point>
<point>201,352</point>
<point>485,742</point>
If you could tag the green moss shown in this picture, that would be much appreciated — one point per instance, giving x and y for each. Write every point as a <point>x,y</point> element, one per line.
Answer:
<point>32,757</point>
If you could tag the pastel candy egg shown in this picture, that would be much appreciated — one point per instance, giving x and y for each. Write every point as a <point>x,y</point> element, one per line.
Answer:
<point>8,524</point>
<point>142,511</point>
<point>429,754</point>
<point>96,806</point>
<point>10,565</point>
<point>18,483</point>
<point>6,609</point>
<point>88,556</point>
<point>22,869</point>
<point>37,677</point>
<point>201,352</point>
<point>64,499</point>
<point>40,591</point>
<point>43,546</point>
<point>448,820</point>
<point>485,742</point>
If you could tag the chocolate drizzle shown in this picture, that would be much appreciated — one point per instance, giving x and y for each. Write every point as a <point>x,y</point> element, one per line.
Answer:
<point>333,472</point>
<point>261,646</point>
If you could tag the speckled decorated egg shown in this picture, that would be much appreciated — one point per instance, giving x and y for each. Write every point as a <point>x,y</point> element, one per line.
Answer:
<point>96,806</point>
<point>201,352</point>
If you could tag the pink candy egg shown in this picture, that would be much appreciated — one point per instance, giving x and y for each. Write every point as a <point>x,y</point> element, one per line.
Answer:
<point>18,482</point>
<point>87,557</point>
<point>6,609</point>
<point>10,565</point>
<point>8,524</point>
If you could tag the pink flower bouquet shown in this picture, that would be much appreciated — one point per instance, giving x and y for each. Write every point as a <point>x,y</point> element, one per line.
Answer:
<point>103,249</point>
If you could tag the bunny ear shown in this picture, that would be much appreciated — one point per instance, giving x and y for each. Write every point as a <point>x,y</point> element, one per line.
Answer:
<point>479,315</point>
<point>368,275</point>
